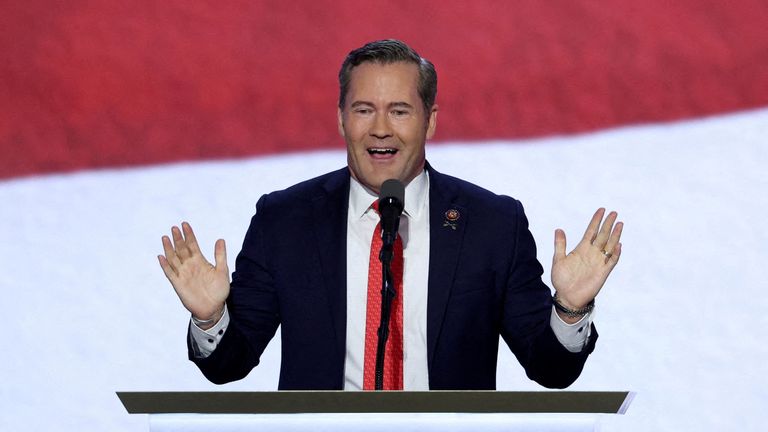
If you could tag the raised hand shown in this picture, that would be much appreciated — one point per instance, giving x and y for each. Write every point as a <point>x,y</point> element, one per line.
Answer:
<point>202,287</point>
<point>579,276</point>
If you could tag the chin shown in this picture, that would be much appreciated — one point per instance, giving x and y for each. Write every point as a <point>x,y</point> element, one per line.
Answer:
<point>375,177</point>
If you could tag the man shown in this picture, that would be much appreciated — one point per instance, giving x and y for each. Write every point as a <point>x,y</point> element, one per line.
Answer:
<point>470,268</point>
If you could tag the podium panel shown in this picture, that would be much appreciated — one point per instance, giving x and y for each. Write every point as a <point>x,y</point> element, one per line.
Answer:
<point>400,422</point>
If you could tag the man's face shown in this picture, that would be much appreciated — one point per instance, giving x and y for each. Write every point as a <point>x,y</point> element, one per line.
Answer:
<point>384,123</point>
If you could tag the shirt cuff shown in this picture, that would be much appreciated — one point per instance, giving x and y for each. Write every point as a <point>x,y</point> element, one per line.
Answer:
<point>573,337</point>
<point>203,342</point>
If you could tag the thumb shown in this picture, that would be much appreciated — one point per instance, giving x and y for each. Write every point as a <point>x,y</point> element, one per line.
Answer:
<point>220,255</point>
<point>559,245</point>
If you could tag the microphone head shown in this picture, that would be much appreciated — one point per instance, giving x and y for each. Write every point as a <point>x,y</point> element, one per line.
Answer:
<point>392,192</point>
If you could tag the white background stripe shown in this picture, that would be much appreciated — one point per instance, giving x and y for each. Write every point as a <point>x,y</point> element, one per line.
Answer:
<point>87,310</point>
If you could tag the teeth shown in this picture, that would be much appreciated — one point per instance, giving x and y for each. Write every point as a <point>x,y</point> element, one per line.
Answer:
<point>382,151</point>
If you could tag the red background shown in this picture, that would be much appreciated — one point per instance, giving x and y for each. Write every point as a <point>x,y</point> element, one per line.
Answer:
<point>88,84</point>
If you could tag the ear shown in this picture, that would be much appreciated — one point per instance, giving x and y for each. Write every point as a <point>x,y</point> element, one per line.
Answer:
<point>432,125</point>
<point>340,119</point>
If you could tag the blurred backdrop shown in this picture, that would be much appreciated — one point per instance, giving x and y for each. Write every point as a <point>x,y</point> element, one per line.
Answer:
<point>119,120</point>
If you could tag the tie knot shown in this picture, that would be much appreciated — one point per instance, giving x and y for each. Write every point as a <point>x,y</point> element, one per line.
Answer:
<point>375,207</point>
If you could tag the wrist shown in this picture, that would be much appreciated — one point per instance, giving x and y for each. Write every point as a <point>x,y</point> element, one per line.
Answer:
<point>210,321</point>
<point>572,312</point>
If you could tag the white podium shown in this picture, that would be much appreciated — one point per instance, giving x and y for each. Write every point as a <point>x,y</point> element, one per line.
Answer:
<point>338,411</point>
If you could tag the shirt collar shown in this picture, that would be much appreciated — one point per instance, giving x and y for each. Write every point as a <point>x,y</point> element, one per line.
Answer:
<point>416,193</point>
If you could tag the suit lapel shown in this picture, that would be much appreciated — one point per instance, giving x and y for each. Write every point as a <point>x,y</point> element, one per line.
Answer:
<point>330,208</point>
<point>446,236</point>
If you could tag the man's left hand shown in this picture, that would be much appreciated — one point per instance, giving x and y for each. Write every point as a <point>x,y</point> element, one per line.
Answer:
<point>579,276</point>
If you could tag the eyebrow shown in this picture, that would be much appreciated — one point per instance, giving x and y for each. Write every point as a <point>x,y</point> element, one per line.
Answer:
<point>400,105</point>
<point>391,105</point>
<point>358,103</point>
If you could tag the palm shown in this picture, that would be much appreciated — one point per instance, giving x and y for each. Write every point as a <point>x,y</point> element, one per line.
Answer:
<point>201,286</point>
<point>579,276</point>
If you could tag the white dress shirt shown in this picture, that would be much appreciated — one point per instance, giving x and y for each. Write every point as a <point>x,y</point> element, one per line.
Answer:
<point>414,230</point>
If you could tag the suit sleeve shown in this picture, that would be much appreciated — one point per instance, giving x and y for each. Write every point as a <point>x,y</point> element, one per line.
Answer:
<point>526,318</point>
<point>253,307</point>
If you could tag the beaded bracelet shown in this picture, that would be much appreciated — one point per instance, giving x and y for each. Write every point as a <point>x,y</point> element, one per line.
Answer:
<point>573,313</point>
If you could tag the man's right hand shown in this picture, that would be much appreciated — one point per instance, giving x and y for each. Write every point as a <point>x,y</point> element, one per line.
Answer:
<point>202,287</point>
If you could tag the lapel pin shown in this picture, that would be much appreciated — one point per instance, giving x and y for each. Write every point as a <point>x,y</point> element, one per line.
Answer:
<point>451,216</point>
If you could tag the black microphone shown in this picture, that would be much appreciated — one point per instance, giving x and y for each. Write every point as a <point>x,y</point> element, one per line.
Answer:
<point>391,204</point>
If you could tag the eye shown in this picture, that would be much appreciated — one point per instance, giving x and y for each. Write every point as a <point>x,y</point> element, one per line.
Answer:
<point>400,112</point>
<point>363,110</point>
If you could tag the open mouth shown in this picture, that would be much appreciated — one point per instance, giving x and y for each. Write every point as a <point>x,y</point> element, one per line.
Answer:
<point>381,151</point>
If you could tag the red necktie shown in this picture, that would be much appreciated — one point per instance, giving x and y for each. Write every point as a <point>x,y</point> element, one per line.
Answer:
<point>393,357</point>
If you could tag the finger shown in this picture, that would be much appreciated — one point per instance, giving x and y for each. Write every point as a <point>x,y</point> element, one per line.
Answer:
<point>190,239</point>
<point>614,258</point>
<point>614,239</point>
<point>220,255</point>
<point>559,245</point>
<point>170,273</point>
<point>170,254</point>
<point>179,244</point>
<point>594,224</point>
<point>605,231</point>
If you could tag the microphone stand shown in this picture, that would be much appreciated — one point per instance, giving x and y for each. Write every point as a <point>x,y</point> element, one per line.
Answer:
<point>387,294</point>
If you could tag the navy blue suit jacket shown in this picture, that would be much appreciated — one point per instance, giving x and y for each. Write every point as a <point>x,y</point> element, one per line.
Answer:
<point>484,281</point>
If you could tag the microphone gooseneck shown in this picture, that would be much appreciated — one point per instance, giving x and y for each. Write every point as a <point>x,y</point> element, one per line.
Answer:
<point>391,204</point>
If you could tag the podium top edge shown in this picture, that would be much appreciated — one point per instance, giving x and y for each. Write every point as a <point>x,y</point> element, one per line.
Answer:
<point>334,401</point>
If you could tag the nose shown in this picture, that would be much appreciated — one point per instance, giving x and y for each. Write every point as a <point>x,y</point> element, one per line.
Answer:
<point>381,127</point>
